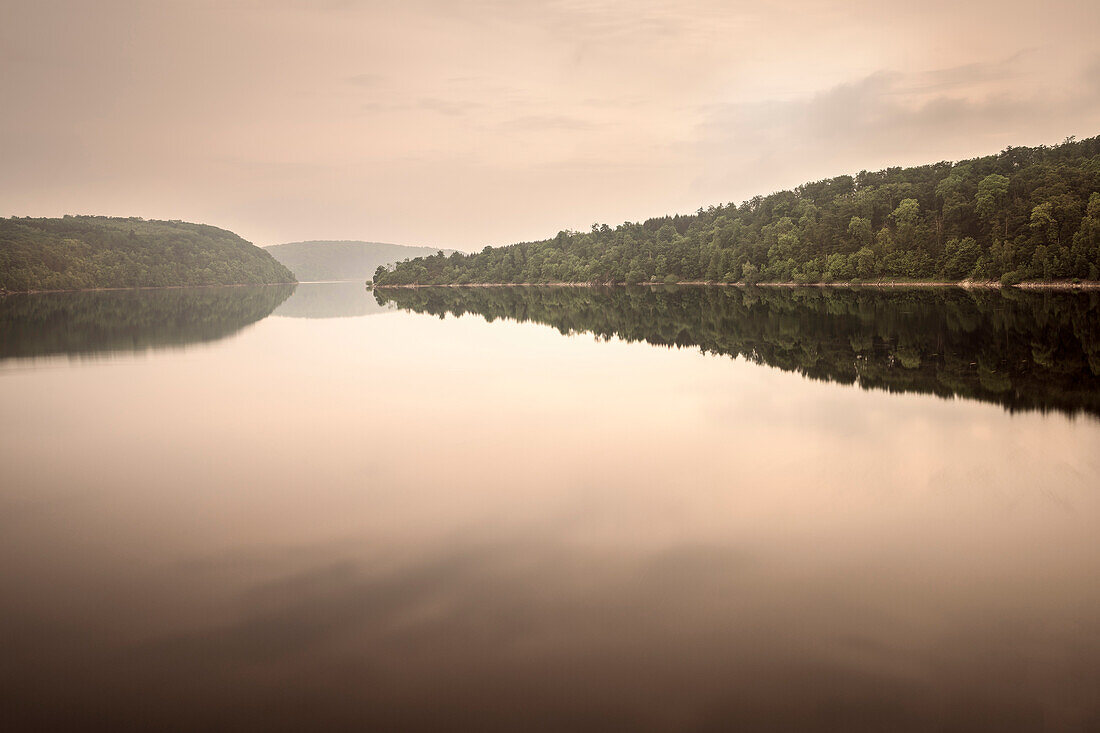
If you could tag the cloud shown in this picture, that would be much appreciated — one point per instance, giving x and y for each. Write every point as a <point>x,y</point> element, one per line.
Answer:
<point>375,106</point>
<point>1090,77</point>
<point>548,122</point>
<point>965,76</point>
<point>885,118</point>
<point>450,107</point>
<point>440,105</point>
<point>366,80</point>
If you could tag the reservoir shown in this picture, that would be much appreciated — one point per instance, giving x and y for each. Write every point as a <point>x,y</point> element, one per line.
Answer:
<point>650,509</point>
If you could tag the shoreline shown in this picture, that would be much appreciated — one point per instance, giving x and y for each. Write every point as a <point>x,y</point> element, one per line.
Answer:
<point>1089,285</point>
<point>143,287</point>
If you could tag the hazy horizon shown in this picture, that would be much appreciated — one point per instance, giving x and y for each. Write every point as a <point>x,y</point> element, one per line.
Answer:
<point>427,123</point>
<point>344,241</point>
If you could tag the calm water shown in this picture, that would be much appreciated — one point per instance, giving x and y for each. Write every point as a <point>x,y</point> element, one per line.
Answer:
<point>550,509</point>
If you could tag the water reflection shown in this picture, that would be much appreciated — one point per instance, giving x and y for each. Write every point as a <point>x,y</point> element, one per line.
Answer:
<point>408,523</point>
<point>331,300</point>
<point>1023,350</point>
<point>87,323</point>
<point>539,635</point>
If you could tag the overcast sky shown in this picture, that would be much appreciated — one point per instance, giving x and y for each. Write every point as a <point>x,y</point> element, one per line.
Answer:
<point>460,124</point>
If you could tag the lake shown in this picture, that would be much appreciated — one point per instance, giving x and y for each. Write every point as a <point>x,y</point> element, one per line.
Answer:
<point>651,509</point>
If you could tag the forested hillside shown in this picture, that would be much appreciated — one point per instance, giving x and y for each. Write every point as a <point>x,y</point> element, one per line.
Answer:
<point>1024,214</point>
<point>318,260</point>
<point>78,252</point>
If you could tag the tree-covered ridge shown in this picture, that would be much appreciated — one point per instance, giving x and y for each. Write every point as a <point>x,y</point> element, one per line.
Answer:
<point>80,252</point>
<point>1024,214</point>
<point>1020,349</point>
<point>81,324</point>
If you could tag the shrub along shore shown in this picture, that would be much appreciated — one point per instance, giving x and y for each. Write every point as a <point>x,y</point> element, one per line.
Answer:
<point>983,284</point>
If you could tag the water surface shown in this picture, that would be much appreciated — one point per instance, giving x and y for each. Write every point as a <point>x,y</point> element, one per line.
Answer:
<point>560,510</point>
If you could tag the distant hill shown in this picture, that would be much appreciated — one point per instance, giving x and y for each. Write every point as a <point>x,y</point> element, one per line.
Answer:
<point>85,252</point>
<point>347,260</point>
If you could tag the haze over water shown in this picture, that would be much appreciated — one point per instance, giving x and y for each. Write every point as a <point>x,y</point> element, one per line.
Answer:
<point>337,511</point>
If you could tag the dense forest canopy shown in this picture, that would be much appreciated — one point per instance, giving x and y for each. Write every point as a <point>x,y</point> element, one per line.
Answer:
<point>1024,214</point>
<point>342,260</point>
<point>1021,349</point>
<point>80,252</point>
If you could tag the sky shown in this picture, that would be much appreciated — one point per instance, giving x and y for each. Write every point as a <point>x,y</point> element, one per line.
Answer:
<point>487,122</point>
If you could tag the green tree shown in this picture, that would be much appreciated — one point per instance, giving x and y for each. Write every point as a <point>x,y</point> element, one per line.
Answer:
<point>960,257</point>
<point>990,199</point>
<point>865,262</point>
<point>859,229</point>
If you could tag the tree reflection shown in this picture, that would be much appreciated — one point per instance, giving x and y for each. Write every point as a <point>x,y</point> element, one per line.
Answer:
<point>1020,349</point>
<point>88,323</point>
